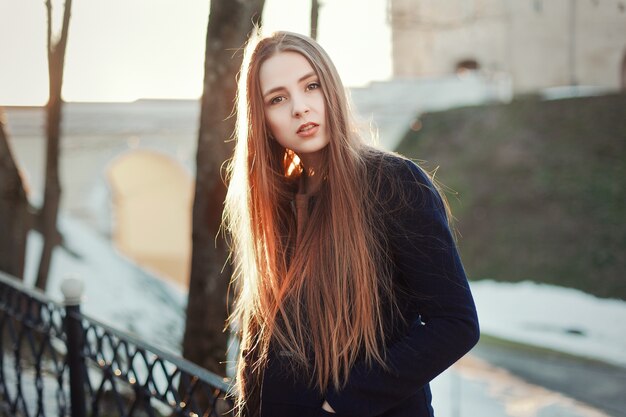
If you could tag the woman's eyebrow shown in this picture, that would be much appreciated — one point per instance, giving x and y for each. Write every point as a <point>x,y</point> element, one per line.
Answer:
<point>304,77</point>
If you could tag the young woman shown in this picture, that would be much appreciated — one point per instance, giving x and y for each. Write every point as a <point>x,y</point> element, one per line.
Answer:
<point>351,295</point>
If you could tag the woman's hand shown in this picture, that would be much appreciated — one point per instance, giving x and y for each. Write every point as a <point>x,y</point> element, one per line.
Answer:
<point>327,407</point>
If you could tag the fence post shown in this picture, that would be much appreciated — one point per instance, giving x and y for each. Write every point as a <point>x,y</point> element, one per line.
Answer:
<point>72,289</point>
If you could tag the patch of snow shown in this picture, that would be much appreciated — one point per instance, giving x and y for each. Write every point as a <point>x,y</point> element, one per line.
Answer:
<point>117,291</point>
<point>562,319</point>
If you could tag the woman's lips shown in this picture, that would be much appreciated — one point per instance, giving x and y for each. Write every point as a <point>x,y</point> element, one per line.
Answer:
<point>308,129</point>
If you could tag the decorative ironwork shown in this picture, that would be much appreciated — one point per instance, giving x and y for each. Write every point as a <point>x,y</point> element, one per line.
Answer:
<point>33,362</point>
<point>116,374</point>
<point>143,380</point>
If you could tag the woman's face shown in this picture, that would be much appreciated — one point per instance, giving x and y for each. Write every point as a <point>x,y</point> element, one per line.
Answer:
<point>294,104</point>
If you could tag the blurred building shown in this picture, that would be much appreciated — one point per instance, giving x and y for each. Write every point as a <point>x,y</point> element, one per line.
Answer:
<point>152,196</point>
<point>539,43</point>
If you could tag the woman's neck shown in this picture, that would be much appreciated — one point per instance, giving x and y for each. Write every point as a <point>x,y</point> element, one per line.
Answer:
<point>310,182</point>
<point>312,175</point>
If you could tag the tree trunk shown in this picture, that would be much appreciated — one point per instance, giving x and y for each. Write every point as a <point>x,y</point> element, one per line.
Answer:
<point>52,192</point>
<point>13,210</point>
<point>230,23</point>
<point>315,11</point>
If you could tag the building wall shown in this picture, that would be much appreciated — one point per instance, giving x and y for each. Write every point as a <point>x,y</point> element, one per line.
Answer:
<point>541,43</point>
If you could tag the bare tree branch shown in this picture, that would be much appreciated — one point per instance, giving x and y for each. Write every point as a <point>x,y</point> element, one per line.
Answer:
<point>52,192</point>
<point>315,10</point>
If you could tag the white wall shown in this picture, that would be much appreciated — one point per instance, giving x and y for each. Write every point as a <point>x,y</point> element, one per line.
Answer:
<point>541,43</point>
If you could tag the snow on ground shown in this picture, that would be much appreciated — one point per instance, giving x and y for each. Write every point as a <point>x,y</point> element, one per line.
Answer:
<point>562,319</point>
<point>117,291</point>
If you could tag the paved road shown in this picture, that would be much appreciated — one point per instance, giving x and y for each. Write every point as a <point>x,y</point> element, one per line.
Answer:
<point>598,384</point>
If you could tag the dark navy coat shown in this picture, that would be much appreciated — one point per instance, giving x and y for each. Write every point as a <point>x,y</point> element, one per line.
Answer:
<point>440,326</point>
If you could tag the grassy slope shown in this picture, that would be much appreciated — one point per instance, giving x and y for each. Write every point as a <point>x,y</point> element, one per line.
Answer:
<point>541,188</point>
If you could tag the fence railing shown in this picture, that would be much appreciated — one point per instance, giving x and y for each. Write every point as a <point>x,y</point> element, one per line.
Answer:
<point>57,361</point>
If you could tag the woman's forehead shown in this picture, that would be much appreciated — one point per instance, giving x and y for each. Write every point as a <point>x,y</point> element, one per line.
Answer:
<point>282,69</point>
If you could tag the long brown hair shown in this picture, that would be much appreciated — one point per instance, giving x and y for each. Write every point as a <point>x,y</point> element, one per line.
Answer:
<point>321,301</point>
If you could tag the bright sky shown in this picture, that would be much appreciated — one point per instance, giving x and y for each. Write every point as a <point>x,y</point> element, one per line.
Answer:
<point>122,50</point>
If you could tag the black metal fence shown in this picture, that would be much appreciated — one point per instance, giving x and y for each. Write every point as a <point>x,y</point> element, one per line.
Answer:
<point>56,361</point>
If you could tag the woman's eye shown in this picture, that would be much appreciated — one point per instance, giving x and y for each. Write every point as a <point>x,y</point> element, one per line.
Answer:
<point>276,100</point>
<point>312,86</point>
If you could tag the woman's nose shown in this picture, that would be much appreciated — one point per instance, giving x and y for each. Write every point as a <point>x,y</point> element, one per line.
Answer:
<point>300,107</point>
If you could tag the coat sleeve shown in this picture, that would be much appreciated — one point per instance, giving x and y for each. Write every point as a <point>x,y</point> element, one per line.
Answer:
<point>446,324</point>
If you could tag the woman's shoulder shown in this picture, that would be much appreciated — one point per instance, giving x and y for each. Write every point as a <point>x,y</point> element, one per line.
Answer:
<point>389,169</point>
<point>400,187</point>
